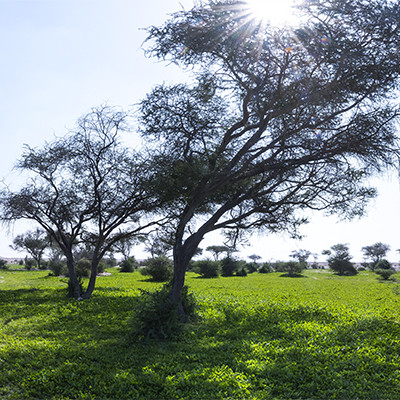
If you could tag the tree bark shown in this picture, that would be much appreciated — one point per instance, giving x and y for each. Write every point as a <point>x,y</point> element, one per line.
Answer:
<point>92,279</point>
<point>72,276</point>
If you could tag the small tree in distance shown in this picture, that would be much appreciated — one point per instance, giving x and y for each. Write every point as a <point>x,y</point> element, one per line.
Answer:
<point>375,253</point>
<point>34,242</point>
<point>339,260</point>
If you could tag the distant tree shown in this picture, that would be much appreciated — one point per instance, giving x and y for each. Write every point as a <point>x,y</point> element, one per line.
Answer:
<point>3,264</point>
<point>217,251</point>
<point>34,242</point>
<point>86,188</point>
<point>375,253</point>
<point>301,256</point>
<point>255,257</point>
<point>278,120</point>
<point>290,268</point>
<point>339,260</point>
<point>126,244</point>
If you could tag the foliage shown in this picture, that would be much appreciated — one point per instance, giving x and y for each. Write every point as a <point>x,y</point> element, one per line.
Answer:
<point>290,268</point>
<point>339,261</point>
<point>158,268</point>
<point>241,272</point>
<point>87,188</point>
<point>3,264</point>
<point>83,267</point>
<point>266,268</point>
<point>207,268</point>
<point>34,242</point>
<point>58,268</point>
<point>251,267</point>
<point>128,265</point>
<point>156,317</point>
<point>217,250</point>
<point>229,266</point>
<point>385,274</point>
<point>375,253</point>
<point>275,121</point>
<point>383,264</point>
<point>29,263</point>
<point>258,338</point>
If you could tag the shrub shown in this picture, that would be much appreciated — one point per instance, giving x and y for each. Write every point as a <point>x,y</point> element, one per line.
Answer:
<point>58,268</point>
<point>128,265</point>
<point>242,272</point>
<point>229,266</point>
<point>83,267</point>
<point>290,268</point>
<point>207,268</point>
<point>383,264</point>
<point>385,274</point>
<point>160,269</point>
<point>3,264</point>
<point>101,267</point>
<point>156,317</point>
<point>29,263</point>
<point>266,268</point>
<point>251,267</point>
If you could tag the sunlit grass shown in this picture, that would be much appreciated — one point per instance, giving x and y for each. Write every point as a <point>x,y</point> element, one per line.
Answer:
<point>259,337</point>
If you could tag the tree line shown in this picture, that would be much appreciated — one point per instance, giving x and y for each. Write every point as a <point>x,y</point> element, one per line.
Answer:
<point>275,121</point>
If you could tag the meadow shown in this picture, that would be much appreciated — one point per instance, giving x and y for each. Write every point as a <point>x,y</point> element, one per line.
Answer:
<point>263,336</point>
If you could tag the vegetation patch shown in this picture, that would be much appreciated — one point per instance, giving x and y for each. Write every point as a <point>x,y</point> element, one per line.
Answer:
<point>262,337</point>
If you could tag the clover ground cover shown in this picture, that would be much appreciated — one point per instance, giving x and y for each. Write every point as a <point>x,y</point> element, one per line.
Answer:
<point>259,337</point>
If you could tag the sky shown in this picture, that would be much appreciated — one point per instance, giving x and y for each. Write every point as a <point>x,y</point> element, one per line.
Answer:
<point>60,58</point>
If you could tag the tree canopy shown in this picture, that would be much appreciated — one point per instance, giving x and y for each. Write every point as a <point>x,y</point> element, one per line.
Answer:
<point>277,119</point>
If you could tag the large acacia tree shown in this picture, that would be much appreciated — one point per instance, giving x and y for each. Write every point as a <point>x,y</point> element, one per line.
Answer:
<point>277,120</point>
<point>84,188</point>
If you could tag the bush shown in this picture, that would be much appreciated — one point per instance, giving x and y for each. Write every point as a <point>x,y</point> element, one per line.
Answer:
<point>101,267</point>
<point>290,268</point>
<point>83,267</point>
<point>29,263</point>
<point>342,267</point>
<point>266,268</point>
<point>251,267</point>
<point>229,266</point>
<point>3,264</point>
<point>207,268</point>
<point>159,268</point>
<point>383,264</point>
<point>385,274</point>
<point>242,272</point>
<point>58,268</point>
<point>128,265</point>
<point>156,317</point>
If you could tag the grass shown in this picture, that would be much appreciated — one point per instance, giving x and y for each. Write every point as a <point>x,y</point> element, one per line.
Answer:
<point>259,337</point>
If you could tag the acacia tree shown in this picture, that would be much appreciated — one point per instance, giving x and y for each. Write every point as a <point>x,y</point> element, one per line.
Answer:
<point>86,188</point>
<point>278,119</point>
<point>376,252</point>
<point>34,242</point>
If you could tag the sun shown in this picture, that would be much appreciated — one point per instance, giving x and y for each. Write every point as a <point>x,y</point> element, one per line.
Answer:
<point>274,12</point>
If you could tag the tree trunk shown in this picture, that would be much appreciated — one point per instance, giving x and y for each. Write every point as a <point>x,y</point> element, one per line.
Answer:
<point>72,276</point>
<point>182,256</point>
<point>92,280</point>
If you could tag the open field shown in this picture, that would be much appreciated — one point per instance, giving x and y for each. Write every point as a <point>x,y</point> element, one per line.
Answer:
<point>259,337</point>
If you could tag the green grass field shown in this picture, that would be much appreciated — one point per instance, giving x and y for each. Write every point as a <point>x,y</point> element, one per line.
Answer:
<point>259,337</point>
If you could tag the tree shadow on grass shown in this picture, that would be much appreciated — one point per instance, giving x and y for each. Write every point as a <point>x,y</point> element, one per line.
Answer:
<point>83,350</point>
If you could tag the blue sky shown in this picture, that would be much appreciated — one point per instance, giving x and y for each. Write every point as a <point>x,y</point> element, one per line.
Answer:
<point>60,58</point>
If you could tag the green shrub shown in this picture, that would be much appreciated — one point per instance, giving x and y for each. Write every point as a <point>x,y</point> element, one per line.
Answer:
<point>156,317</point>
<point>207,268</point>
<point>242,272</point>
<point>266,268</point>
<point>83,267</point>
<point>385,274</point>
<point>58,268</point>
<point>3,264</point>
<point>290,268</point>
<point>128,265</point>
<point>29,263</point>
<point>251,267</point>
<point>383,264</point>
<point>160,269</point>
<point>229,266</point>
